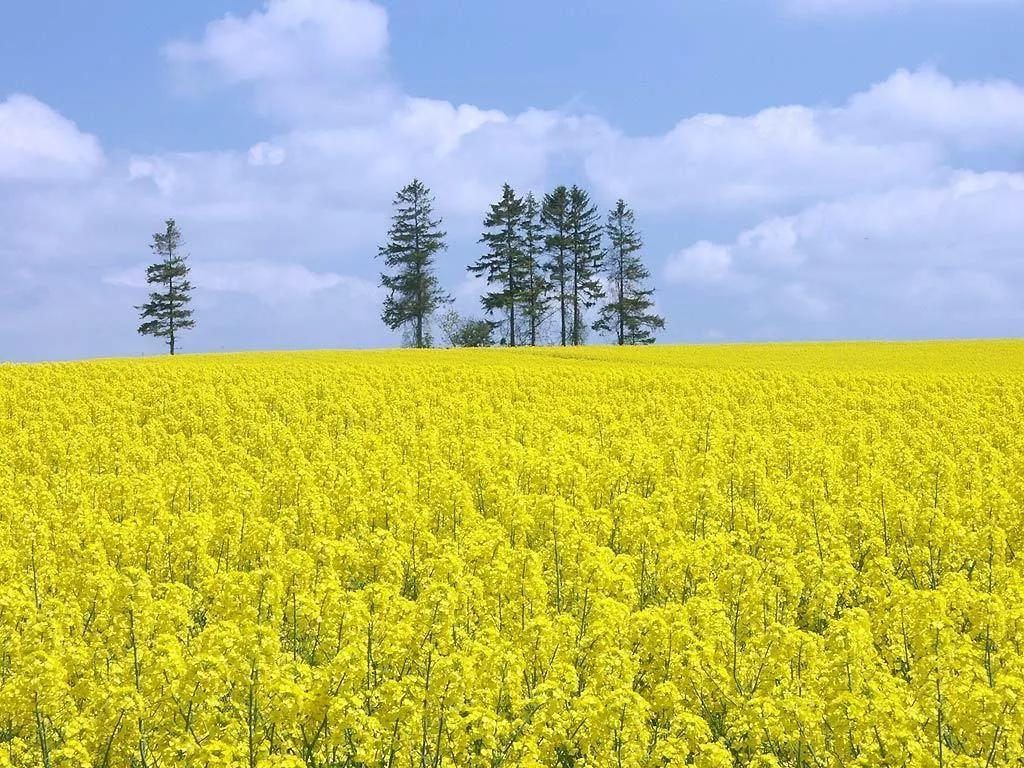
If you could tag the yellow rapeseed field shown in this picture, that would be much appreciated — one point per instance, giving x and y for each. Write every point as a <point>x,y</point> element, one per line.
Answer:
<point>799,555</point>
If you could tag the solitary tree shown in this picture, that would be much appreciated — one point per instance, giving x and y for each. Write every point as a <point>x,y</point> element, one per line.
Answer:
<point>503,264</point>
<point>167,313</point>
<point>585,258</point>
<point>414,238</point>
<point>535,287</point>
<point>554,217</point>
<point>627,315</point>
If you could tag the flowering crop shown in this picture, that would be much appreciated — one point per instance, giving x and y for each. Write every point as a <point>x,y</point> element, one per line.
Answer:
<point>800,555</point>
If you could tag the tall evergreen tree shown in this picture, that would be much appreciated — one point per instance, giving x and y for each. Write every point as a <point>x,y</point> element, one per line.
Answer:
<point>554,217</point>
<point>627,315</point>
<point>414,292</point>
<point>167,312</point>
<point>536,287</point>
<point>585,259</point>
<point>503,264</point>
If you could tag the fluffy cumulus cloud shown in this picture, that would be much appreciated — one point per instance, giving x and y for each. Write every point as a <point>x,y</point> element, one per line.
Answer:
<point>38,143</point>
<point>942,258</point>
<point>909,126</point>
<point>925,105</point>
<point>290,40</point>
<point>786,153</point>
<point>839,210</point>
<point>304,59</point>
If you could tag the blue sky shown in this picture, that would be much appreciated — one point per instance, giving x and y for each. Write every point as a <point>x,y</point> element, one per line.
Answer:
<point>800,168</point>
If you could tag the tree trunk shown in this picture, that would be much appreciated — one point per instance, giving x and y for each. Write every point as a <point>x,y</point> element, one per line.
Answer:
<point>170,316</point>
<point>622,301</point>
<point>575,301</point>
<point>511,298</point>
<point>533,319</point>
<point>420,298</point>
<point>561,293</point>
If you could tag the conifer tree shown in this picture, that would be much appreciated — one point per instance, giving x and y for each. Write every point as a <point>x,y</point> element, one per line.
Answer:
<point>414,292</point>
<point>585,259</point>
<point>503,264</point>
<point>554,218</point>
<point>627,315</point>
<point>536,287</point>
<point>167,312</point>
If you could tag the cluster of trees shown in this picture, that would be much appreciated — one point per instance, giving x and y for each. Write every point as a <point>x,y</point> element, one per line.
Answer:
<point>545,263</point>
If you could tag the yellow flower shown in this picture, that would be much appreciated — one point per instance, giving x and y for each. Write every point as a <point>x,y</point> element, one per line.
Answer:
<point>787,555</point>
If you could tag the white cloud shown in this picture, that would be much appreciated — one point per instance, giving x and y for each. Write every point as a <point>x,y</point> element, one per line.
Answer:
<point>928,254</point>
<point>271,282</point>
<point>785,153</point>
<point>462,152</point>
<point>804,301</point>
<point>928,288</point>
<point>776,241</point>
<point>305,59</point>
<point>320,65</point>
<point>925,105</point>
<point>38,143</point>
<point>903,128</point>
<point>289,39</point>
<point>274,282</point>
<point>160,171</point>
<point>265,153</point>
<point>701,263</point>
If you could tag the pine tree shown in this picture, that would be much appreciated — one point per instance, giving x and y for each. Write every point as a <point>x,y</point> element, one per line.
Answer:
<point>167,313</point>
<point>585,259</point>
<point>535,290</point>
<point>554,217</point>
<point>414,292</point>
<point>503,263</point>
<point>627,315</point>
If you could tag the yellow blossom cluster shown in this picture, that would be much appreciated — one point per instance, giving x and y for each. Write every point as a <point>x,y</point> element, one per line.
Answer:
<point>787,555</point>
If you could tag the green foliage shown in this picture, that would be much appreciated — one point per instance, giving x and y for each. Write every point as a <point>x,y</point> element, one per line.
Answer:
<point>503,265</point>
<point>627,316</point>
<point>536,287</point>
<point>554,219</point>
<point>167,312</point>
<point>585,259</point>
<point>541,258</point>
<point>467,331</point>
<point>414,292</point>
